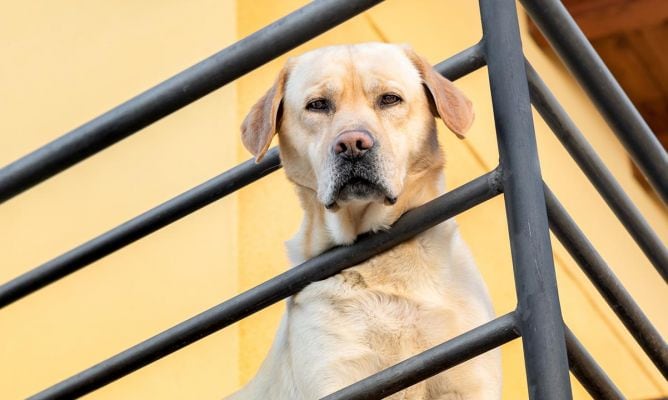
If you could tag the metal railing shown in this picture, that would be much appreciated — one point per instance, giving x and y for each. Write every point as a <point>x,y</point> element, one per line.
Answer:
<point>550,348</point>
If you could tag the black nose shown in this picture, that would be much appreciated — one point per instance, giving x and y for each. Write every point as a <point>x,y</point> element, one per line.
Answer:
<point>352,144</point>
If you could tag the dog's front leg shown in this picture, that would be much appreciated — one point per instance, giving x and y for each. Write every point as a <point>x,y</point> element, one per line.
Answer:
<point>328,349</point>
<point>332,366</point>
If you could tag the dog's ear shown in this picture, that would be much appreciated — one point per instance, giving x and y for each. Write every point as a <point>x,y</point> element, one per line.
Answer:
<point>263,119</point>
<point>446,100</point>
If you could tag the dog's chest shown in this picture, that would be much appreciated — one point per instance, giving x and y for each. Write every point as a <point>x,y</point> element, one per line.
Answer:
<point>393,305</point>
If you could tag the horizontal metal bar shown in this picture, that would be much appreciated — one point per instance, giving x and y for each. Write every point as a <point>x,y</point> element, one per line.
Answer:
<point>277,288</point>
<point>607,284</point>
<point>180,90</point>
<point>588,373</point>
<point>453,68</point>
<point>138,227</point>
<point>572,46</point>
<point>592,166</point>
<point>430,362</point>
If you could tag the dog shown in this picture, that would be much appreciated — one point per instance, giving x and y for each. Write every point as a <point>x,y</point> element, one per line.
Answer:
<point>358,138</point>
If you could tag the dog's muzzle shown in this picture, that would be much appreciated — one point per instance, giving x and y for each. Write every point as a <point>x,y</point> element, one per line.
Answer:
<point>355,170</point>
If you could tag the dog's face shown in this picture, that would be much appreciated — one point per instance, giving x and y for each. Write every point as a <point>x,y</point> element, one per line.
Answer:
<point>355,121</point>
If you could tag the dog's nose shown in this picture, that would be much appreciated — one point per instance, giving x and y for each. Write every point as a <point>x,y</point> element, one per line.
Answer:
<point>353,144</point>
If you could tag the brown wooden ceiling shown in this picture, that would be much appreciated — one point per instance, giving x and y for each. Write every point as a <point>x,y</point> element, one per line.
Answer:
<point>632,38</point>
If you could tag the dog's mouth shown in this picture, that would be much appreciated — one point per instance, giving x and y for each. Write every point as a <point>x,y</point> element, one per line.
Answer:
<point>361,180</point>
<point>359,188</point>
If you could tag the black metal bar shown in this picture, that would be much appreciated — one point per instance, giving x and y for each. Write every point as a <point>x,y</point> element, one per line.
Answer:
<point>430,362</point>
<point>576,52</point>
<point>607,284</point>
<point>462,63</point>
<point>589,374</point>
<point>138,227</point>
<point>453,68</point>
<point>606,184</point>
<point>539,312</point>
<point>177,92</point>
<point>277,288</point>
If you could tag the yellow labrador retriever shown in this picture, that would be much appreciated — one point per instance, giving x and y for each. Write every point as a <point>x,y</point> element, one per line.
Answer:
<point>358,139</point>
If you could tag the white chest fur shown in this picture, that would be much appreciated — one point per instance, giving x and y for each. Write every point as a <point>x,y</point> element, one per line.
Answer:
<point>395,305</point>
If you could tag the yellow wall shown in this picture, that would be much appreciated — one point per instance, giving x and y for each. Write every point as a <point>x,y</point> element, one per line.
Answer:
<point>63,63</point>
<point>66,62</point>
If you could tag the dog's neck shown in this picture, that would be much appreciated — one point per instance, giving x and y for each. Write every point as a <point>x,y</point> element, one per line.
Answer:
<point>322,229</point>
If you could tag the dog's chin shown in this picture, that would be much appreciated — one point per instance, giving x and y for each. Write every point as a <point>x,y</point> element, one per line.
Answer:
<point>359,190</point>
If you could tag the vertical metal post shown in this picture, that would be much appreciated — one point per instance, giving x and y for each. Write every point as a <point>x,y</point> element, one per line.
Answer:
<point>539,313</point>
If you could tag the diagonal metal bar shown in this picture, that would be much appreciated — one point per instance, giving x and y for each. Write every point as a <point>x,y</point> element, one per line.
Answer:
<point>177,92</point>
<point>587,371</point>
<point>462,63</point>
<point>138,227</point>
<point>430,362</point>
<point>160,216</point>
<point>277,288</point>
<point>576,52</point>
<point>590,163</point>
<point>607,284</point>
<point>538,309</point>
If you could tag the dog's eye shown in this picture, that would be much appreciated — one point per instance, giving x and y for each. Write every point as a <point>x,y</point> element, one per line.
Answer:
<point>318,105</point>
<point>389,99</point>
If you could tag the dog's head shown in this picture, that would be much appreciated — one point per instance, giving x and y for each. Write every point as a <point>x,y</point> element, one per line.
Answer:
<point>354,122</point>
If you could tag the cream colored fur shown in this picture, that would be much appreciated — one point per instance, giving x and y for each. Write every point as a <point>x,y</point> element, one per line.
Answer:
<point>401,302</point>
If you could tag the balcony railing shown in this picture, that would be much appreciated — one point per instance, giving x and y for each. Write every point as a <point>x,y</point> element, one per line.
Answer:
<point>550,348</point>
